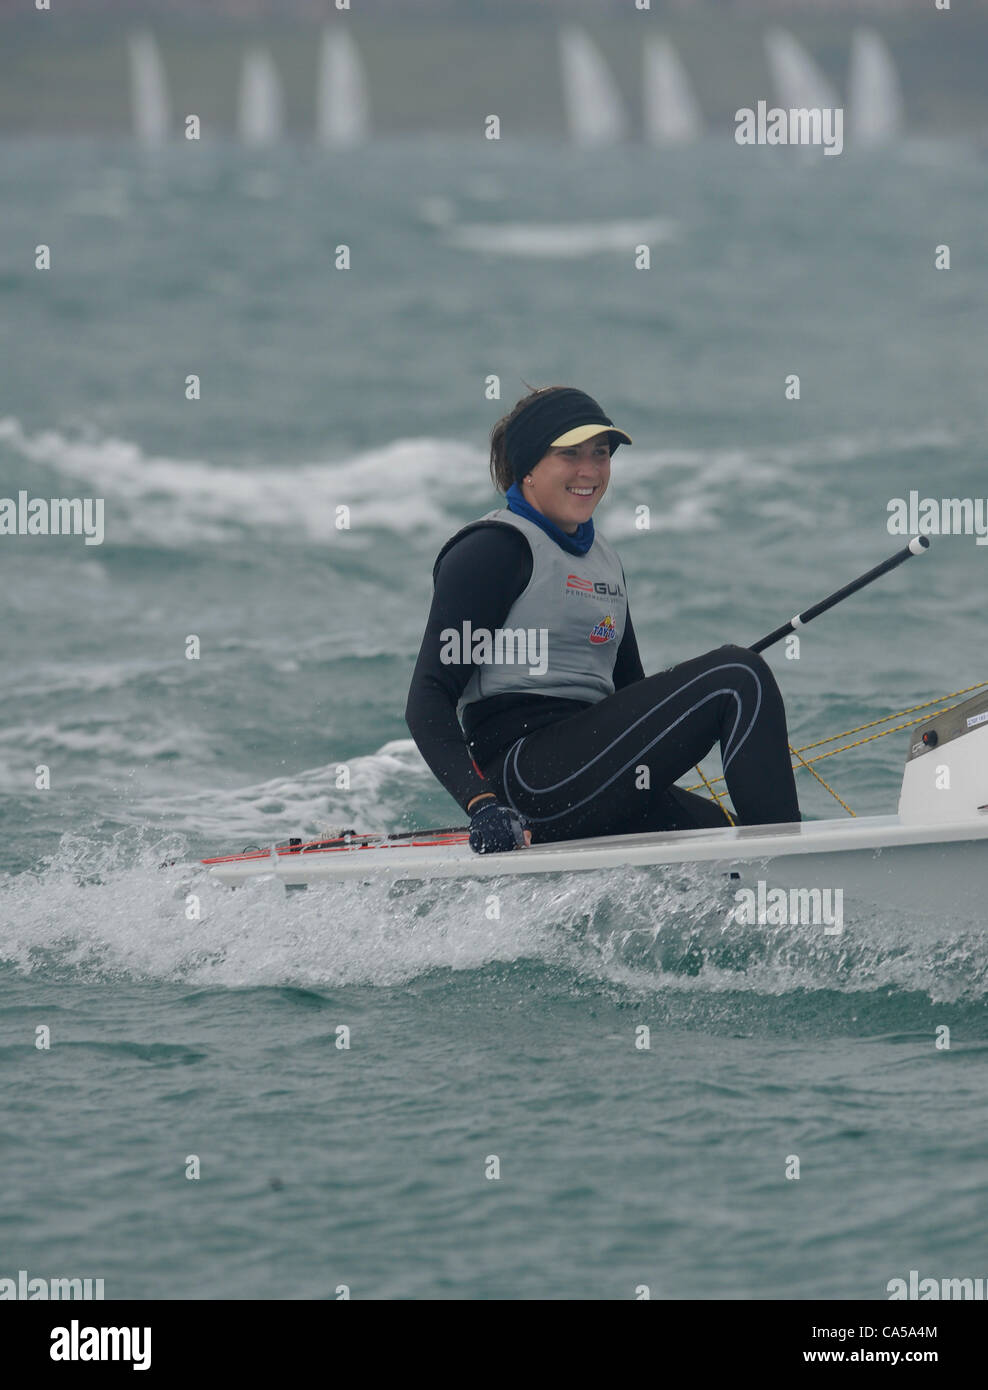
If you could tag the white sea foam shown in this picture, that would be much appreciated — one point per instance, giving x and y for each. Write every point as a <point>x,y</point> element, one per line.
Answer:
<point>115,909</point>
<point>108,740</point>
<point>560,240</point>
<point>426,487</point>
<point>172,502</point>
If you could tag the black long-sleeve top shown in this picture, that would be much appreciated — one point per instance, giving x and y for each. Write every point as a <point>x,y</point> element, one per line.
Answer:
<point>478,580</point>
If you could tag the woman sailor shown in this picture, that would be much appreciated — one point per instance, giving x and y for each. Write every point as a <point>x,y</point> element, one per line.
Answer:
<point>554,741</point>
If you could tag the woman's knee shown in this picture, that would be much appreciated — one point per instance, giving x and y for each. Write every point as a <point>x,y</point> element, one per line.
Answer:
<point>744,657</point>
<point>759,669</point>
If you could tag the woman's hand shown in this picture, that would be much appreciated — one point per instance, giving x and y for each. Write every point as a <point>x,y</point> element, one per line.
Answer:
<point>495,829</point>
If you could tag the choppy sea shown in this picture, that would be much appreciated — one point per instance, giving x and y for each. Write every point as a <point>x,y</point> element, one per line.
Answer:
<point>220,1038</point>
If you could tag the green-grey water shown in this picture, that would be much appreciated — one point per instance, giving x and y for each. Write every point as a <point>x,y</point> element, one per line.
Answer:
<point>470,1036</point>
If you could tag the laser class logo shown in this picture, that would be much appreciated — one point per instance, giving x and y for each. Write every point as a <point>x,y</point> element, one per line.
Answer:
<point>604,631</point>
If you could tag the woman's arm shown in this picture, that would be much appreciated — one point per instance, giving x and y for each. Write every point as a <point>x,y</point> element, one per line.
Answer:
<point>478,581</point>
<point>628,663</point>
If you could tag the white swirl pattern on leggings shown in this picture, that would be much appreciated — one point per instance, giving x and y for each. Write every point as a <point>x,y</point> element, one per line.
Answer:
<point>729,751</point>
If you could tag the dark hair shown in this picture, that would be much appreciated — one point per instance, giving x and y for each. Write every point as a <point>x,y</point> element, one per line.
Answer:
<point>502,473</point>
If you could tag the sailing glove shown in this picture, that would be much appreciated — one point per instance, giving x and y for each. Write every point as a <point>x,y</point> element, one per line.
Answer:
<point>495,829</point>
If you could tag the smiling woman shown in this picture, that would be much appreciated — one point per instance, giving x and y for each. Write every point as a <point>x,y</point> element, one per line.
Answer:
<point>579,742</point>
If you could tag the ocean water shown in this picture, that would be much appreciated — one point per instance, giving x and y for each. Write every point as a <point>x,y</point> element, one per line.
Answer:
<point>366,1165</point>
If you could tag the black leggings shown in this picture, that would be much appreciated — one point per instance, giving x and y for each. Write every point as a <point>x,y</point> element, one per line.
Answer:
<point>584,775</point>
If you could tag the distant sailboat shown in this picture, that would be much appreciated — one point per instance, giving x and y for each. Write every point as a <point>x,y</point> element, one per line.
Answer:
<point>874,95</point>
<point>342,104</point>
<point>797,80</point>
<point>672,115</point>
<point>595,109</point>
<point>260,108</point>
<point>150,107</point>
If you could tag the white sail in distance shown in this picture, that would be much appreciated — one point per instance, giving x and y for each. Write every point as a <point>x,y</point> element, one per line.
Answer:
<point>150,106</point>
<point>596,113</point>
<point>342,103</point>
<point>671,112</point>
<point>874,94</point>
<point>797,79</point>
<point>260,106</point>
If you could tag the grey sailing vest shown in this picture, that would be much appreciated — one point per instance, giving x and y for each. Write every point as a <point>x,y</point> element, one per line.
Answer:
<point>565,626</point>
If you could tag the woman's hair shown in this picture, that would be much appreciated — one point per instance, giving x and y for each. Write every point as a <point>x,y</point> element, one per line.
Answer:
<point>502,473</point>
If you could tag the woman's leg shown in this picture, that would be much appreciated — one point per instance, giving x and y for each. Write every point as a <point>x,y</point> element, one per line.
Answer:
<point>609,769</point>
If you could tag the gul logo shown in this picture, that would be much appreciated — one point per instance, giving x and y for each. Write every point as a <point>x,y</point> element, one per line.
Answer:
<point>576,585</point>
<point>604,631</point>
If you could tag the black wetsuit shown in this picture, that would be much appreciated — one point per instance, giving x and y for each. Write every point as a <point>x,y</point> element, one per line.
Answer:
<point>573,768</point>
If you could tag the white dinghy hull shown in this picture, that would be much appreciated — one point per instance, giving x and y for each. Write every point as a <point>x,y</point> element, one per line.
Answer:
<point>931,858</point>
<point>939,869</point>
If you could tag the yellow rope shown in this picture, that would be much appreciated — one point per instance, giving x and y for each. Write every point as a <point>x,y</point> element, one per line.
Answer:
<point>870,739</point>
<point>820,779</point>
<point>886,717</point>
<point>806,747</point>
<point>730,818</point>
<point>858,742</point>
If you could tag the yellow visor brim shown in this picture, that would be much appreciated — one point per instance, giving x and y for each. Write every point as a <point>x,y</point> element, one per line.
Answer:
<point>582,432</point>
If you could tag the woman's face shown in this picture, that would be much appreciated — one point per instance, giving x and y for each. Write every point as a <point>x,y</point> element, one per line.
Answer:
<point>568,483</point>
